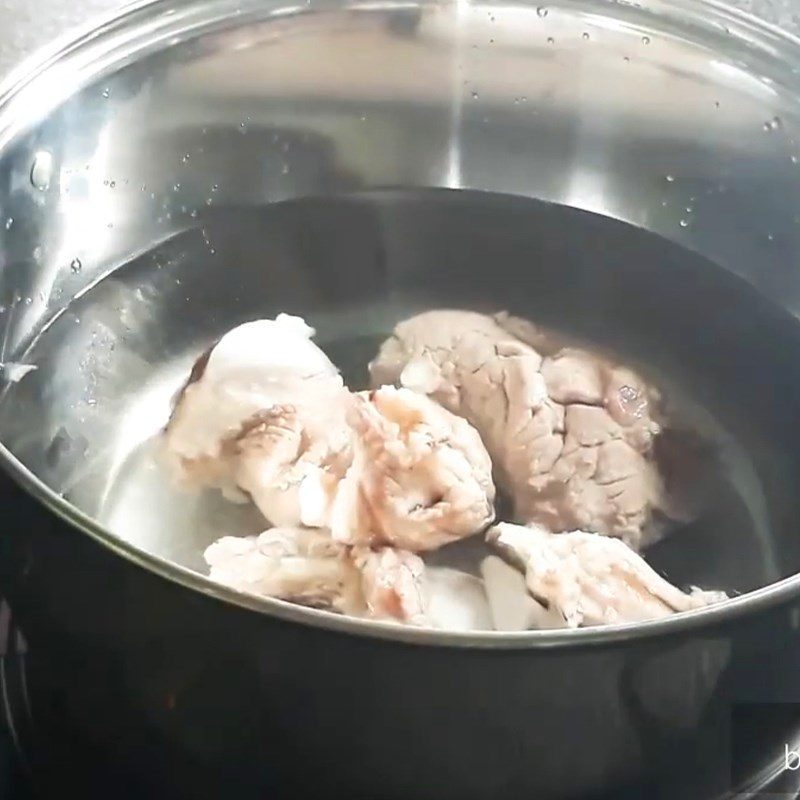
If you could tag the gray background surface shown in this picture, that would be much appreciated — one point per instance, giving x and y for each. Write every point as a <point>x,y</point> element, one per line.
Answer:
<point>28,24</point>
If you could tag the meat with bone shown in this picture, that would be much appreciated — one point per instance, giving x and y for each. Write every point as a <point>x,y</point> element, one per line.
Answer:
<point>570,434</point>
<point>298,564</point>
<point>386,467</point>
<point>308,567</point>
<point>420,477</point>
<point>587,579</point>
<point>291,468</point>
<point>360,483</point>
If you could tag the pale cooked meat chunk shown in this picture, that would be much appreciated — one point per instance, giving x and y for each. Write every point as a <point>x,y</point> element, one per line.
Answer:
<point>570,433</point>
<point>301,565</point>
<point>588,579</point>
<point>307,567</point>
<point>392,584</point>
<point>289,465</point>
<point>266,414</point>
<point>420,476</point>
<point>262,398</point>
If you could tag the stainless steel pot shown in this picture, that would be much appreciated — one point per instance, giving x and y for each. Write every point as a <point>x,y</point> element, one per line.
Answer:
<point>191,164</point>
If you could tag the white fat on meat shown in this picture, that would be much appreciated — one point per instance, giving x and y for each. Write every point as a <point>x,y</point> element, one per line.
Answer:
<point>308,567</point>
<point>262,411</point>
<point>389,467</point>
<point>570,433</point>
<point>301,565</point>
<point>580,579</point>
<point>420,476</point>
<point>289,465</point>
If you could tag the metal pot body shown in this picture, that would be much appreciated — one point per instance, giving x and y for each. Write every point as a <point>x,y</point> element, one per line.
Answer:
<point>168,141</point>
<point>138,681</point>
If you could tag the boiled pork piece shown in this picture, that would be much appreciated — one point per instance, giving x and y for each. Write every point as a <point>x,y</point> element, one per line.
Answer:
<point>307,567</point>
<point>302,565</point>
<point>586,579</point>
<point>420,476</point>
<point>570,433</point>
<point>290,465</point>
<point>266,413</point>
<point>263,399</point>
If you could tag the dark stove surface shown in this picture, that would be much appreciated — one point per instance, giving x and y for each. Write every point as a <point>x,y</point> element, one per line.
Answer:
<point>37,760</point>
<point>14,769</point>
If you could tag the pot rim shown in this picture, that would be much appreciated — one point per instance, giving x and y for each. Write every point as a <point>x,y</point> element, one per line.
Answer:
<point>113,39</point>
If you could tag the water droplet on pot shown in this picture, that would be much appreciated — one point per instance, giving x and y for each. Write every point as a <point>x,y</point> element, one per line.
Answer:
<point>542,11</point>
<point>670,179</point>
<point>9,223</point>
<point>176,187</point>
<point>474,95</point>
<point>684,223</point>
<point>75,266</point>
<point>585,36</point>
<point>42,170</point>
<point>113,184</point>
<point>645,40</point>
